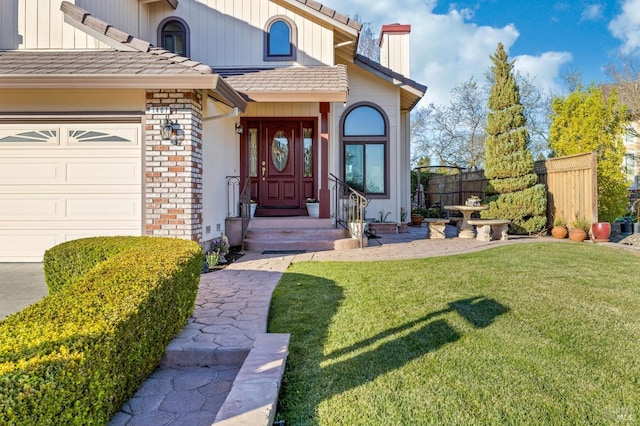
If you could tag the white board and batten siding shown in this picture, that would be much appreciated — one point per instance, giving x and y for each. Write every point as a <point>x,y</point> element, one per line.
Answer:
<point>60,182</point>
<point>39,24</point>
<point>229,33</point>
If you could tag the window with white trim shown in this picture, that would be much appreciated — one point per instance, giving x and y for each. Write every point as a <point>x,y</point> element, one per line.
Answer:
<point>280,40</point>
<point>365,140</point>
<point>174,36</point>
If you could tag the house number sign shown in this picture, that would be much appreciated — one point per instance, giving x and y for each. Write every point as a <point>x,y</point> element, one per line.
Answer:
<point>159,110</point>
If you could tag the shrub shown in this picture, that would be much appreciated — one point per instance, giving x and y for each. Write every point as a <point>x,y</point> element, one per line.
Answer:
<point>78,354</point>
<point>65,263</point>
<point>513,192</point>
<point>526,209</point>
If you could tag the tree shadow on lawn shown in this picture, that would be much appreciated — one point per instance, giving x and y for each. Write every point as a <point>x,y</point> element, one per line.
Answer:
<point>315,377</point>
<point>435,333</point>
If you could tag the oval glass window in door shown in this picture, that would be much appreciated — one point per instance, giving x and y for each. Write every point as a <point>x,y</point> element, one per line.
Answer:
<point>280,150</point>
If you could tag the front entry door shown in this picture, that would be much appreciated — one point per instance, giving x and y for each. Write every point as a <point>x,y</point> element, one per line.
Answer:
<point>278,167</point>
<point>285,166</point>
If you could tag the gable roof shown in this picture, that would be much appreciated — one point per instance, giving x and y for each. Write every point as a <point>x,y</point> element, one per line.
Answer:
<point>327,11</point>
<point>131,64</point>
<point>346,31</point>
<point>107,69</point>
<point>300,84</point>
<point>411,91</point>
<point>113,62</point>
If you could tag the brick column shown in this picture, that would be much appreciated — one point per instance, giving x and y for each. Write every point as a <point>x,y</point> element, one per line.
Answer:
<point>173,185</point>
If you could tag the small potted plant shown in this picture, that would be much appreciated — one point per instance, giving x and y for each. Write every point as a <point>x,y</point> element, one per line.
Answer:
<point>402,225</point>
<point>382,225</point>
<point>579,230</point>
<point>559,229</point>
<point>417,216</point>
<point>313,207</point>
<point>252,206</point>
<point>636,206</point>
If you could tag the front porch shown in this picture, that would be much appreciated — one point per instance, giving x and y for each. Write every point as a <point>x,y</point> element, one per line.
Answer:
<point>296,234</point>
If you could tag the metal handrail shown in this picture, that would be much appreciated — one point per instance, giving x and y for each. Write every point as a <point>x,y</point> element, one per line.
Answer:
<point>245,207</point>
<point>349,208</point>
<point>239,202</point>
<point>233,193</point>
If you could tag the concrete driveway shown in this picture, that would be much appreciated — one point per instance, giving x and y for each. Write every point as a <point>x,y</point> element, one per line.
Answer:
<point>21,284</point>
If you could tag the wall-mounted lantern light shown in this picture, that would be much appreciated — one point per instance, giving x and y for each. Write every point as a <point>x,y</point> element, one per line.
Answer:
<point>170,131</point>
<point>239,128</point>
<point>166,130</point>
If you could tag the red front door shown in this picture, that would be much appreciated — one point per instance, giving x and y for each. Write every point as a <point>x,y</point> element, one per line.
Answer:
<point>281,165</point>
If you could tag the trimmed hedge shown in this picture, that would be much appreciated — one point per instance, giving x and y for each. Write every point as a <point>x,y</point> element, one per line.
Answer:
<point>78,354</point>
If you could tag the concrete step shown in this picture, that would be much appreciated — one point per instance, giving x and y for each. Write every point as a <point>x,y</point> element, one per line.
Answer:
<point>295,222</point>
<point>308,240</point>
<point>293,233</point>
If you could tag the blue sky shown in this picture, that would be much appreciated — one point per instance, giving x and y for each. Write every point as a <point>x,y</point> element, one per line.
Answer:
<point>452,41</point>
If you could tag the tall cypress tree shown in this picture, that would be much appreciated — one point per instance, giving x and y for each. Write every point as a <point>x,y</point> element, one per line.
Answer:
<point>512,191</point>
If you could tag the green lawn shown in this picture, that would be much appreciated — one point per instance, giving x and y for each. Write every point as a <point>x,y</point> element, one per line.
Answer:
<point>541,333</point>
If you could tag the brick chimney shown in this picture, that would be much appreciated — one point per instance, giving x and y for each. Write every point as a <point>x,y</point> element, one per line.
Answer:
<point>394,47</point>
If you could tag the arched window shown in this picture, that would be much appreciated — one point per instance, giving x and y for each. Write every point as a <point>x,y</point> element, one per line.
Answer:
<point>280,39</point>
<point>365,139</point>
<point>173,35</point>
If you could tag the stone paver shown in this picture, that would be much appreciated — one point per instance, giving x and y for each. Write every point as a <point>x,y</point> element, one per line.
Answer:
<point>200,365</point>
<point>224,367</point>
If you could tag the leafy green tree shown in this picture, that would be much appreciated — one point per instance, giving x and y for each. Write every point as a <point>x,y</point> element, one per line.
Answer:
<point>585,121</point>
<point>513,190</point>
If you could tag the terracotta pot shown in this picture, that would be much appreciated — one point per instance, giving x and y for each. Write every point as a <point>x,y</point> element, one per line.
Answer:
<point>416,220</point>
<point>601,231</point>
<point>578,235</point>
<point>559,232</point>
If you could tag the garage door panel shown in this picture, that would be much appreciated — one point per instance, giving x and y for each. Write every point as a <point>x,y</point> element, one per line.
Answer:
<point>104,208</point>
<point>26,171</point>
<point>108,171</point>
<point>60,182</point>
<point>26,245</point>
<point>84,233</point>
<point>25,208</point>
<point>32,136</point>
<point>97,135</point>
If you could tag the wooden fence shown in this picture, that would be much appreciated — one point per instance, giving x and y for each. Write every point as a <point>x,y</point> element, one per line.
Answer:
<point>571,187</point>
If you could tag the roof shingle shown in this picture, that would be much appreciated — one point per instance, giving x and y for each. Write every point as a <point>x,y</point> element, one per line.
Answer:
<point>23,62</point>
<point>324,79</point>
<point>332,13</point>
<point>82,17</point>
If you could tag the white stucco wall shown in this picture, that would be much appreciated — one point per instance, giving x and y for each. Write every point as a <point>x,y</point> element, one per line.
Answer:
<point>220,155</point>
<point>366,87</point>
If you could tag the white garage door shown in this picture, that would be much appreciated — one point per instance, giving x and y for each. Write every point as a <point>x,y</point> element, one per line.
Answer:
<point>59,182</point>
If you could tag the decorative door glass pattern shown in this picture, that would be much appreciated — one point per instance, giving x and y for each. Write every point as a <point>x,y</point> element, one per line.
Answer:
<point>307,137</point>
<point>280,150</point>
<point>253,152</point>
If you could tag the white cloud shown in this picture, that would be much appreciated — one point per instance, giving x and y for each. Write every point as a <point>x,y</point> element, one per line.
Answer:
<point>448,49</point>
<point>626,26</point>
<point>592,12</point>
<point>544,68</point>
